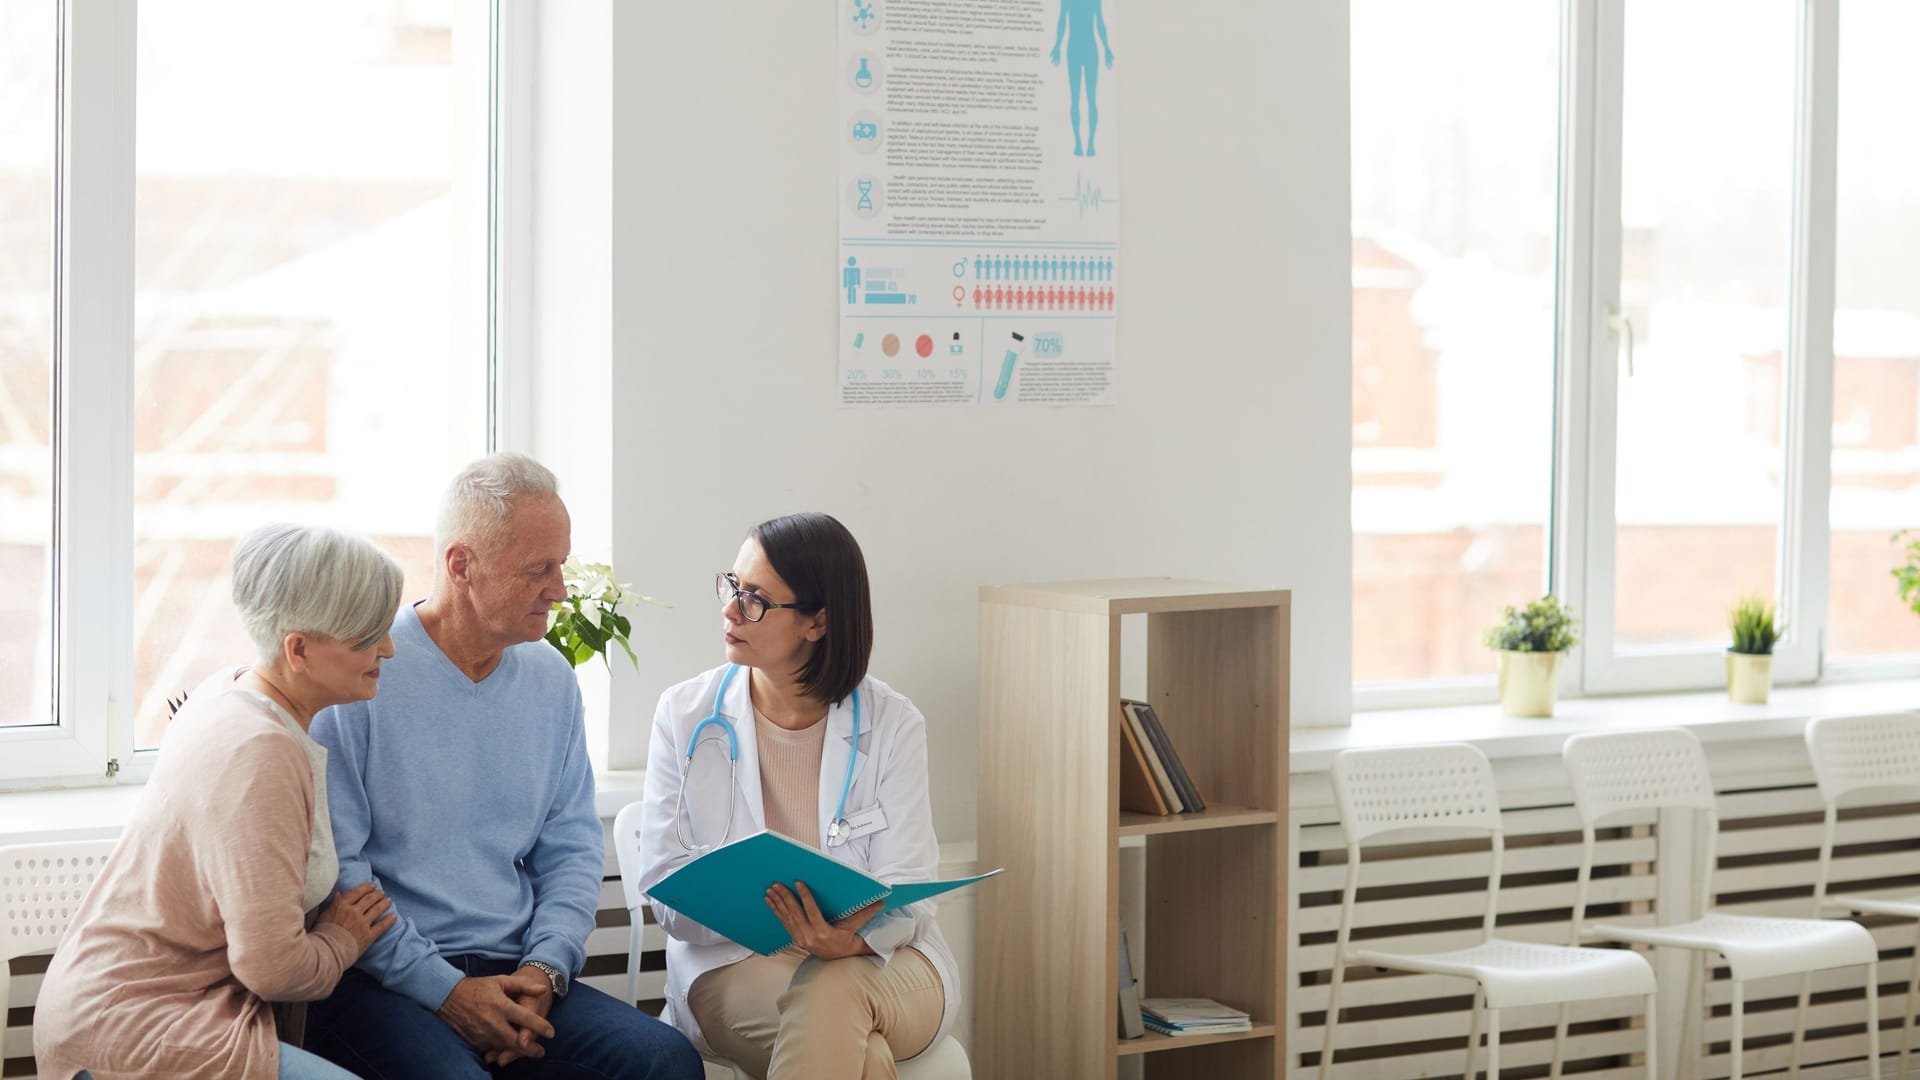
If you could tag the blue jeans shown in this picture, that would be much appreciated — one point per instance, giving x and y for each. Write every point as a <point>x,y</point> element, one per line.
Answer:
<point>381,1035</point>
<point>295,1064</point>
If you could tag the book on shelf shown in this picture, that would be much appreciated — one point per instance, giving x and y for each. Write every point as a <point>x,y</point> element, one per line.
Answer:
<point>1178,780</point>
<point>1130,1022</point>
<point>1140,791</point>
<point>1192,1016</point>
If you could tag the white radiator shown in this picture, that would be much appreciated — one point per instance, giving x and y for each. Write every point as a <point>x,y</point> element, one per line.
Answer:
<point>1431,896</point>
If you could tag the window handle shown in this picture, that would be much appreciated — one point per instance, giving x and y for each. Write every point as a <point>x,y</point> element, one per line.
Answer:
<point>1620,328</point>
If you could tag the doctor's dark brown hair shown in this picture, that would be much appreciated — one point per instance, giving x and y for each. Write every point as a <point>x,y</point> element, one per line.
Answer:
<point>821,562</point>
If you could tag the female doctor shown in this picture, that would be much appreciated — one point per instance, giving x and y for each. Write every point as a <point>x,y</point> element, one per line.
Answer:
<point>791,735</point>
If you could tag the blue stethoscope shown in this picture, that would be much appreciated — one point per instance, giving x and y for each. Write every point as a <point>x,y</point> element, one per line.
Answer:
<point>838,829</point>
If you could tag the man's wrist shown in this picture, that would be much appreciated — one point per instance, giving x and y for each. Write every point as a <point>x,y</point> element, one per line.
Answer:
<point>554,975</point>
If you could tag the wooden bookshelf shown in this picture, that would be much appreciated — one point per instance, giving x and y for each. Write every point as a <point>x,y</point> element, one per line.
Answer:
<point>1217,675</point>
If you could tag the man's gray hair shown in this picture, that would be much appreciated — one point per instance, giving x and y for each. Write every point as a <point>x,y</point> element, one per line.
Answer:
<point>313,580</point>
<point>478,507</point>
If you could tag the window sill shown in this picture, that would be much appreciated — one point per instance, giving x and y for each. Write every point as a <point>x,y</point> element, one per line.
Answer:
<point>28,817</point>
<point>1709,715</point>
<point>31,817</point>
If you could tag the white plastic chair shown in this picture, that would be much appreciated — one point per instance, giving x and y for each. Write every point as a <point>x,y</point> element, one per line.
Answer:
<point>1448,788</point>
<point>944,1060</point>
<point>1623,772</point>
<point>41,886</point>
<point>1854,754</point>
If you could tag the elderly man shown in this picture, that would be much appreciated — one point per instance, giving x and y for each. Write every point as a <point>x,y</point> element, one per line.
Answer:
<point>464,791</point>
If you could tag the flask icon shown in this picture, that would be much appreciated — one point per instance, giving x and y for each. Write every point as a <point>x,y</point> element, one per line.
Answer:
<point>863,78</point>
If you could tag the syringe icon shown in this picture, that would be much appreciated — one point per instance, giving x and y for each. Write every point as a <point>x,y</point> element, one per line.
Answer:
<point>1006,366</point>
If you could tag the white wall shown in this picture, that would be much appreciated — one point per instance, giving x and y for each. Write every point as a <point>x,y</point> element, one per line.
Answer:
<point>1225,457</point>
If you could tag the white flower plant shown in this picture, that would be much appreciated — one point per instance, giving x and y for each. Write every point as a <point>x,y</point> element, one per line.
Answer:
<point>589,619</point>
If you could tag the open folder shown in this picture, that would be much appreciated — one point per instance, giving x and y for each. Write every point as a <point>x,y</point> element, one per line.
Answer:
<point>725,890</point>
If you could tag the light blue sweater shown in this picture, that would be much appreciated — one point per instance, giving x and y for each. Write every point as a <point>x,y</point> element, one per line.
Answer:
<point>471,805</point>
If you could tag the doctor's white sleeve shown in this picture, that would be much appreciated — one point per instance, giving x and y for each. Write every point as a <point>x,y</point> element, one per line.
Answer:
<point>660,850</point>
<point>907,850</point>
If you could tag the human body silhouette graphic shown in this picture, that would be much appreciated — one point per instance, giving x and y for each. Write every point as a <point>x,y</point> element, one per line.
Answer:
<point>1080,21</point>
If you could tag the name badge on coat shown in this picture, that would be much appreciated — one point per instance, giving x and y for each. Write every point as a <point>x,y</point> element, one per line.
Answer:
<point>866,822</point>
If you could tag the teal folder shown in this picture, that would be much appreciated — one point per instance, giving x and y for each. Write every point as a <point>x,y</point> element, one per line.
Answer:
<point>725,890</point>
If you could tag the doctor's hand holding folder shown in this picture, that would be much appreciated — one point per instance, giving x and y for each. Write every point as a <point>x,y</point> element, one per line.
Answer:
<point>727,889</point>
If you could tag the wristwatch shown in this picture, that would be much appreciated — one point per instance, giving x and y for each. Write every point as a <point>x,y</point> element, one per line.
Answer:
<point>554,975</point>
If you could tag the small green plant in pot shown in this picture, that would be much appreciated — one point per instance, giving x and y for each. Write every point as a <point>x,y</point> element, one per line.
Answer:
<point>1750,659</point>
<point>1529,643</point>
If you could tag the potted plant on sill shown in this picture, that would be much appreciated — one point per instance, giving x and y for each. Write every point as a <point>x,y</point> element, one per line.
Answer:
<point>1529,642</point>
<point>1750,660</point>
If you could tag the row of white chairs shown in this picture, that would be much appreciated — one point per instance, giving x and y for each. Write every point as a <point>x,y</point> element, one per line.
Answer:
<point>1405,791</point>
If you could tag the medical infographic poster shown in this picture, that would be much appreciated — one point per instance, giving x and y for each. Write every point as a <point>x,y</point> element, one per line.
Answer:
<point>979,202</point>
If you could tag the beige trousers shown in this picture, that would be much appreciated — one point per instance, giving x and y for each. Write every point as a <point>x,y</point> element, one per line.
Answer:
<point>791,1016</point>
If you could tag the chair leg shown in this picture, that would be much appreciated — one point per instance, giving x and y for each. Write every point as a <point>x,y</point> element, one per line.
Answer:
<point>1473,1029</point>
<point>1559,1042</point>
<point>1873,1021</point>
<point>1690,1020</point>
<point>1913,983</point>
<point>1653,1044</point>
<point>1493,1044</point>
<point>1800,1022</point>
<point>1739,1022</point>
<point>633,964</point>
<point>1333,1016</point>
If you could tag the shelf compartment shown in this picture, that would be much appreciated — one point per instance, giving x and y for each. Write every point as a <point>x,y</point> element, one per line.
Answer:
<point>1215,816</point>
<point>1153,1041</point>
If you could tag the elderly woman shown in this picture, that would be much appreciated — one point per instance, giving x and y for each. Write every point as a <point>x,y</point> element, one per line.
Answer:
<point>827,756</point>
<point>211,905</point>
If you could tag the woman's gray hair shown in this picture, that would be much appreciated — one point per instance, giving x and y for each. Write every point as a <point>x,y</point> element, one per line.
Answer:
<point>478,506</point>
<point>313,580</point>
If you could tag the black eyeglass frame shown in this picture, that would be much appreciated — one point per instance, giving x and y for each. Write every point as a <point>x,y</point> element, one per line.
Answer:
<point>727,587</point>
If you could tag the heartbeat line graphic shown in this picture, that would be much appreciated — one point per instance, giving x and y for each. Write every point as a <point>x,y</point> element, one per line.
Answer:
<point>1088,195</point>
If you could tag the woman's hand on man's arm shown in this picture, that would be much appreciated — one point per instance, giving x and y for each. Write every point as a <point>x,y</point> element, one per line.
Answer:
<point>363,911</point>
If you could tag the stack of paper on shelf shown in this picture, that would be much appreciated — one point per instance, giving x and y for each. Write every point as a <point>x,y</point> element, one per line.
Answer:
<point>1192,1016</point>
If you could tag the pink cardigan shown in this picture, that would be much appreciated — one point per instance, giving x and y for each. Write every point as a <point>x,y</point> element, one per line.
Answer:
<point>196,923</point>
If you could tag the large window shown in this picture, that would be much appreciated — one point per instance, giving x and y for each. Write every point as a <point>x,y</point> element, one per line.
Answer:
<point>1599,324</point>
<point>1453,274</point>
<point>307,300</point>
<point>270,249</point>
<point>28,67</point>
<point>1876,331</point>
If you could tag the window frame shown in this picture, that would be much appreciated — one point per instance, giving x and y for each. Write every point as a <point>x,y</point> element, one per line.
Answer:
<point>90,740</point>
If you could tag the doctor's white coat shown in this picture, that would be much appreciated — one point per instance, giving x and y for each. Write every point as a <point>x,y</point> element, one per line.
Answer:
<point>890,774</point>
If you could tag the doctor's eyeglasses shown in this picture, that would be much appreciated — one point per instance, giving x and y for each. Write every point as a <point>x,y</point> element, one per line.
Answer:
<point>751,605</point>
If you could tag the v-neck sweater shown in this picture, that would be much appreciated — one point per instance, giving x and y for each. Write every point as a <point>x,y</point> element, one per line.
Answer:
<point>471,804</point>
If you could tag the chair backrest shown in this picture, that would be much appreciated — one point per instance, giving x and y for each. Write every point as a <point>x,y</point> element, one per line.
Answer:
<point>1862,753</point>
<point>41,886</point>
<point>1614,772</point>
<point>1852,754</point>
<point>626,850</point>
<point>1621,771</point>
<point>1444,786</point>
